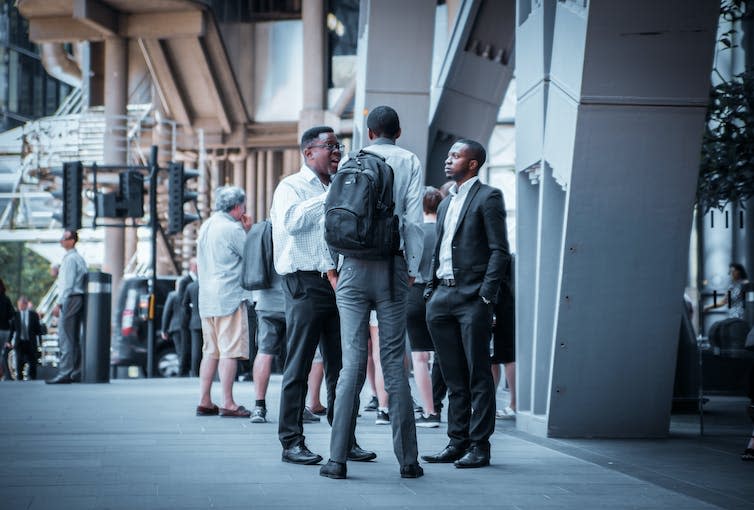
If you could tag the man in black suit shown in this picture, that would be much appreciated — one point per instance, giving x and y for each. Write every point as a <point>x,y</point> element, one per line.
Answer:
<point>184,346</point>
<point>192,323</point>
<point>172,315</point>
<point>25,332</point>
<point>471,254</point>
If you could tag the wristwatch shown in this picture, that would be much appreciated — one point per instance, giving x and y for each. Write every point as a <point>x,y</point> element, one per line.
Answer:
<point>486,301</point>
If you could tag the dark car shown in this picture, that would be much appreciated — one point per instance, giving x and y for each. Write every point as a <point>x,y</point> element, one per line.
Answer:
<point>129,345</point>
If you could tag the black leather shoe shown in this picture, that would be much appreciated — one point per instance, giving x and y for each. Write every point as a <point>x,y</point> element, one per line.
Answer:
<point>358,454</point>
<point>59,380</point>
<point>412,471</point>
<point>475,457</point>
<point>332,469</point>
<point>449,454</point>
<point>300,454</point>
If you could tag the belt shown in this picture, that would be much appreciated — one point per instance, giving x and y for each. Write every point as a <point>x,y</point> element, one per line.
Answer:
<point>313,273</point>
<point>448,282</point>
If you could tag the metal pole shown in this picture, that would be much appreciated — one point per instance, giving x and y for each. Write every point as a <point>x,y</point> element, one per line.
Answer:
<point>153,171</point>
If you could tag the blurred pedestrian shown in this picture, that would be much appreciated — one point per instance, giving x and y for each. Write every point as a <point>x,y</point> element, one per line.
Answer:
<point>26,330</point>
<point>222,301</point>
<point>6,316</point>
<point>70,310</point>
<point>736,294</point>
<point>192,322</point>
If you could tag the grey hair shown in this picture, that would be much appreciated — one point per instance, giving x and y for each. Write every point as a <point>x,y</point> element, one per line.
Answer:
<point>227,197</point>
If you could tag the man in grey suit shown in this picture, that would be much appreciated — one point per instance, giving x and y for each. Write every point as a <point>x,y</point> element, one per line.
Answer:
<point>192,322</point>
<point>471,255</point>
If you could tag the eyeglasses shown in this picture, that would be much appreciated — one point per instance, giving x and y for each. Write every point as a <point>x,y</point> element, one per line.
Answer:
<point>64,238</point>
<point>331,147</point>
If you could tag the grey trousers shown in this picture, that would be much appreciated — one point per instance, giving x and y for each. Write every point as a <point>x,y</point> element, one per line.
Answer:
<point>364,285</point>
<point>69,328</point>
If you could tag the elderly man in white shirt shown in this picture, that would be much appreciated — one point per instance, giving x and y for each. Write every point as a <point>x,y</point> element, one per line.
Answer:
<point>382,285</point>
<point>308,271</point>
<point>222,301</point>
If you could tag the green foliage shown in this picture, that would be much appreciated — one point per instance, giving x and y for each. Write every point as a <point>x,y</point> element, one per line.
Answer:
<point>726,171</point>
<point>24,272</point>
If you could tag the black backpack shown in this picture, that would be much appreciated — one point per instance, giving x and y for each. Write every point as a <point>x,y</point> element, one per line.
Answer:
<point>258,257</point>
<point>360,218</point>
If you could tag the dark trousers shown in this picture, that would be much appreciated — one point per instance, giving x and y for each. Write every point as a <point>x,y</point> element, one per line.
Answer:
<point>439,389</point>
<point>69,332</point>
<point>184,338</point>
<point>196,351</point>
<point>311,318</point>
<point>26,352</point>
<point>461,328</point>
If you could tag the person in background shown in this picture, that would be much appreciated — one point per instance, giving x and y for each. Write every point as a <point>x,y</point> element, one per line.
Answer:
<point>416,324</point>
<point>70,310</point>
<point>172,314</point>
<point>6,316</point>
<point>736,292</point>
<point>25,332</point>
<point>191,321</point>
<point>184,338</point>
<point>222,300</point>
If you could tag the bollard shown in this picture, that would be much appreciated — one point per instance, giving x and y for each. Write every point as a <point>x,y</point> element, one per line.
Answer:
<point>96,355</point>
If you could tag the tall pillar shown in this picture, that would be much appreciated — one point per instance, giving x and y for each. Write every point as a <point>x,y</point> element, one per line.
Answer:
<point>394,66</point>
<point>607,138</point>
<point>315,91</point>
<point>261,187</point>
<point>116,97</point>
<point>251,180</point>
<point>238,161</point>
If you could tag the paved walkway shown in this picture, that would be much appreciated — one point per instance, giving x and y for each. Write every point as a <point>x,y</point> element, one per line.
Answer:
<point>136,444</point>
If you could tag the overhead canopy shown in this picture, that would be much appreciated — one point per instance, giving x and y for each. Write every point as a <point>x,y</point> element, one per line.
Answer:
<point>180,42</point>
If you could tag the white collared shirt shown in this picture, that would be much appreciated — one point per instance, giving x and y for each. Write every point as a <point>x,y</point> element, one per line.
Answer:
<point>219,256</point>
<point>298,224</point>
<point>457,198</point>
<point>71,275</point>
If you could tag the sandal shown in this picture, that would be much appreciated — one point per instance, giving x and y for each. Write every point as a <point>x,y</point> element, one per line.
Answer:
<point>239,412</point>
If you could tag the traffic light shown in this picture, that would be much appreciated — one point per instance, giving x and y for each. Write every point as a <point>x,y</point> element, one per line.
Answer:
<point>132,194</point>
<point>73,178</point>
<point>179,195</point>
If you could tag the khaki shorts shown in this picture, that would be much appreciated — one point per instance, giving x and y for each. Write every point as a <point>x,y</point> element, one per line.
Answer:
<point>227,336</point>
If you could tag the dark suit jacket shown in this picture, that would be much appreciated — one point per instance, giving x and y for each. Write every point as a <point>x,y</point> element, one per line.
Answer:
<point>191,318</point>
<point>36,328</point>
<point>480,243</point>
<point>171,313</point>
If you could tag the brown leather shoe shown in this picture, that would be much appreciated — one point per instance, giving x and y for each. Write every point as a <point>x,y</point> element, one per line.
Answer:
<point>207,411</point>
<point>240,412</point>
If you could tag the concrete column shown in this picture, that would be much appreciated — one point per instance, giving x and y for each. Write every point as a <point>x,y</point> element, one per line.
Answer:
<point>261,178</point>
<point>315,91</point>
<point>251,182</point>
<point>116,97</point>
<point>269,182</point>
<point>394,67</point>
<point>610,138</point>
<point>238,161</point>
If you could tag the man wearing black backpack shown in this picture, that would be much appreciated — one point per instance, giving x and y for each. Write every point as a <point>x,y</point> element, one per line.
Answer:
<point>311,315</point>
<point>374,278</point>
